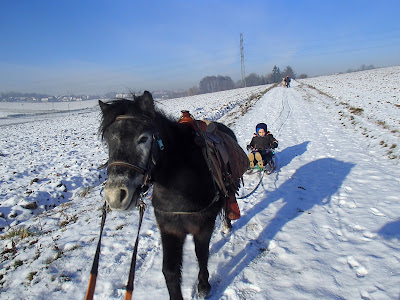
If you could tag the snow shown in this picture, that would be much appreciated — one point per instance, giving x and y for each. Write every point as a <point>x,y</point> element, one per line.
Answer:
<point>325,225</point>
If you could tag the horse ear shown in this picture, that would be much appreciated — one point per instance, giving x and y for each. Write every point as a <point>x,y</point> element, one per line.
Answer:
<point>147,103</point>
<point>103,106</point>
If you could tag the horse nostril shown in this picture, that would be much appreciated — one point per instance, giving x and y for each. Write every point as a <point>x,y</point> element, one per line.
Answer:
<point>122,195</point>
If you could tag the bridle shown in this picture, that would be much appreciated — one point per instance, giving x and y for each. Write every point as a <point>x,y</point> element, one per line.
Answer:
<point>127,165</point>
<point>156,141</point>
<point>151,162</point>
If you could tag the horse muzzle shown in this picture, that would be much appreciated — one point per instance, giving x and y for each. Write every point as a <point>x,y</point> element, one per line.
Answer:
<point>121,195</point>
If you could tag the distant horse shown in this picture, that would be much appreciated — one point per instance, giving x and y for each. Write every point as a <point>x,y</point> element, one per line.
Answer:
<point>143,142</point>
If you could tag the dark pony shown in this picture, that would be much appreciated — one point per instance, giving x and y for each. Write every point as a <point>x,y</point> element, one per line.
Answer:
<point>143,143</point>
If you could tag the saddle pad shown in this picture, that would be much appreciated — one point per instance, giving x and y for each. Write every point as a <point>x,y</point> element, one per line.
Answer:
<point>238,161</point>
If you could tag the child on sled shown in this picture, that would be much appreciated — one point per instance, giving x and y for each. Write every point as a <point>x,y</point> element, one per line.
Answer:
<point>261,146</point>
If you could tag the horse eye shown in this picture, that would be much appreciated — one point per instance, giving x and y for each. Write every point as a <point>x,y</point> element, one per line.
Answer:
<point>143,139</point>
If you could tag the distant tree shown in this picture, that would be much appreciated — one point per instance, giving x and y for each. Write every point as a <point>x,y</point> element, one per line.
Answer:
<point>364,67</point>
<point>361,68</point>
<point>302,76</point>
<point>276,74</point>
<point>208,84</point>
<point>211,84</point>
<point>239,84</point>
<point>194,90</point>
<point>225,83</point>
<point>289,72</point>
<point>253,79</point>
<point>268,78</point>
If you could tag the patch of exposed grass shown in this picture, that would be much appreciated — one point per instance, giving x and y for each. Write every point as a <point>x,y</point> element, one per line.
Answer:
<point>382,124</point>
<point>58,254</point>
<point>21,232</point>
<point>319,91</point>
<point>68,219</point>
<point>18,263</point>
<point>31,275</point>
<point>356,110</point>
<point>85,191</point>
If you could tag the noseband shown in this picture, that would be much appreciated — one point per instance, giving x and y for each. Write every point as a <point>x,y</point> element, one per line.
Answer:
<point>128,165</point>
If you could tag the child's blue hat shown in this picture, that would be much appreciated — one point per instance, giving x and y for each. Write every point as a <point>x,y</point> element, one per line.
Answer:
<point>261,126</point>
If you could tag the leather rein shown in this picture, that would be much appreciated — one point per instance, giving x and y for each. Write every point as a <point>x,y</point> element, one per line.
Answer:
<point>140,205</point>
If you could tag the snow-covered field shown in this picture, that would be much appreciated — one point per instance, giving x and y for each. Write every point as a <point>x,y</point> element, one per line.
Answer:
<point>371,100</point>
<point>325,225</point>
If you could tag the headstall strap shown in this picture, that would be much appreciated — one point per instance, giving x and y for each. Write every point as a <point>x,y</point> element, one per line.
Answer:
<point>124,117</point>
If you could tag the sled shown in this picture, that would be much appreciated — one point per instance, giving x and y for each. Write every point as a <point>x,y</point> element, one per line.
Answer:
<point>268,168</point>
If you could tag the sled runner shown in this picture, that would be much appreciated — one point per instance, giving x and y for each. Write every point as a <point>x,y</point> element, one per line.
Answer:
<point>268,168</point>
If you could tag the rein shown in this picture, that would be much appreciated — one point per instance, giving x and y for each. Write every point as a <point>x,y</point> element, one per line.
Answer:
<point>141,206</point>
<point>95,265</point>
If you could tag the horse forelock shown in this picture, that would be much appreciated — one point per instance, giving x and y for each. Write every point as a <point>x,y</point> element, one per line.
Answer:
<point>119,107</point>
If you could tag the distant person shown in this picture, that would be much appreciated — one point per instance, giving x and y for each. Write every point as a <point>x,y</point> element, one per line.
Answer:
<point>287,81</point>
<point>261,146</point>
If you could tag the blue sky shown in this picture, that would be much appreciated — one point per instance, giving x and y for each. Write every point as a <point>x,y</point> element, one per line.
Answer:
<point>95,46</point>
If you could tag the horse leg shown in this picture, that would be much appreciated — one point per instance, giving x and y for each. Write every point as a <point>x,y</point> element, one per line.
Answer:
<point>172,263</point>
<point>202,242</point>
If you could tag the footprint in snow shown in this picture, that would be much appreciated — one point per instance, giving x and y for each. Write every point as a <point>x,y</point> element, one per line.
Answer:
<point>377,212</point>
<point>360,270</point>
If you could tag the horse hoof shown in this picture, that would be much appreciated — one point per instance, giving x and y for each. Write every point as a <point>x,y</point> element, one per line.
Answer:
<point>226,229</point>
<point>204,291</point>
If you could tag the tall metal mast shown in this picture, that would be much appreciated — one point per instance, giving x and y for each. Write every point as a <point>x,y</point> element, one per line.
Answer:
<point>242,60</point>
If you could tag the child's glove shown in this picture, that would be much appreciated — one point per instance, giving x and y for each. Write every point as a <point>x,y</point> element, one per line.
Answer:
<point>248,147</point>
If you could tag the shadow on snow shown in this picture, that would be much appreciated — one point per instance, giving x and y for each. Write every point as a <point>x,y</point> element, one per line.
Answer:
<point>390,230</point>
<point>312,184</point>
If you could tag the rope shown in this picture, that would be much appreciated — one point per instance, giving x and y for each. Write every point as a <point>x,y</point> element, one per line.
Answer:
<point>258,184</point>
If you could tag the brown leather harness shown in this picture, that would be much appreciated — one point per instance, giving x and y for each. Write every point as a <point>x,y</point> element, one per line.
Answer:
<point>226,159</point>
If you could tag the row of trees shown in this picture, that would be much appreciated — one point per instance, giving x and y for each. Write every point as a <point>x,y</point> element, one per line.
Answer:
<point>362,68</point>
<point>212,84</point>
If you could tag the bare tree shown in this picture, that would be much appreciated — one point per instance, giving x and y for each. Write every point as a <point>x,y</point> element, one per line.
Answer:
<point>194,90</point>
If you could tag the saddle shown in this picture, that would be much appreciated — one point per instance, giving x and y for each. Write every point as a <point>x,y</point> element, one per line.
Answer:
<point>226,159</point>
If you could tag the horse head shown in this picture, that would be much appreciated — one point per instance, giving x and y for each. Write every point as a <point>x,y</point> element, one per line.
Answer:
<point>128,129</point>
